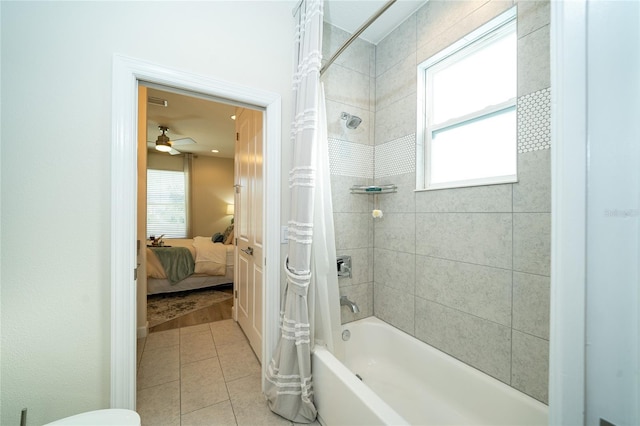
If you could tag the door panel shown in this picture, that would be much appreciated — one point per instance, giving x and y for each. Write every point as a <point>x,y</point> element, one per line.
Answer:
<point>242,281</point>
<point>249,213</point>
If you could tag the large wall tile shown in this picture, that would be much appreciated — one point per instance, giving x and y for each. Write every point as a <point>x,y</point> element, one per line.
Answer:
<point>531,304</point>
<point>482,344</point>
<point>342,198</point>
<point>480,238</point>
<point>532,243</point>
<point>396,231</point>
<point>362,296</point>
<point>337,128</point>
<point>532,192</point>
<point>394,307</point>
<point>533,62</point>
<point>347,87</point>
<point>397,83</point>
<point>491,198</point>
<point>396,46</point>
<point>395,269</point>
<point>479,290</point>
<point>438,16</point>
<point>530,369</point>
<point>358,56</point>
<point>532,15</point>
<point>396,120</point>
<point>466,23</point>
<point>402,201</point>
<point>361,266</point>
<point>352,230</point>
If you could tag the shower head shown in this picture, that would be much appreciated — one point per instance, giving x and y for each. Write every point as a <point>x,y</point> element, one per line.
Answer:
<point>352,121</point>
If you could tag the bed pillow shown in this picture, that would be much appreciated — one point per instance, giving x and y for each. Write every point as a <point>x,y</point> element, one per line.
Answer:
<point>217,238</point>
<point>210,258</point>
<point>227,231</point>
<point>229,239</point>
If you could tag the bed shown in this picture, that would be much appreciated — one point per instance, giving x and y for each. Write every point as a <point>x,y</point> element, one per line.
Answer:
<point>188,264</point>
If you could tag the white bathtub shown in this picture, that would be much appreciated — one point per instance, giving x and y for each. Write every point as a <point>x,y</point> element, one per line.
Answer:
<point>407,382</point>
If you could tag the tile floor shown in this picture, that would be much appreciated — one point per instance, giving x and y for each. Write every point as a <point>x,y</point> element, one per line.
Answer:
<point>205,374</point>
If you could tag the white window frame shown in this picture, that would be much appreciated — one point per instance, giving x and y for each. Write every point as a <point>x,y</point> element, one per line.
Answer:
<point>481,37</point>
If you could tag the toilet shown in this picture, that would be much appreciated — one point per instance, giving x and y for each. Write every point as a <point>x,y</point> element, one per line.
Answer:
<point>108,417</point>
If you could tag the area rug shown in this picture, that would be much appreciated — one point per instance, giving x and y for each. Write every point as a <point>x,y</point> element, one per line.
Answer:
<point>165,307</point>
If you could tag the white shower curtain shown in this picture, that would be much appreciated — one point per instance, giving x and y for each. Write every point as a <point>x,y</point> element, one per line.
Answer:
<point>324,279</point>
<point>289,388</point>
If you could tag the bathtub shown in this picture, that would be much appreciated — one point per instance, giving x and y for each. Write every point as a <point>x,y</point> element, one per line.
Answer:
<point>407,382</point>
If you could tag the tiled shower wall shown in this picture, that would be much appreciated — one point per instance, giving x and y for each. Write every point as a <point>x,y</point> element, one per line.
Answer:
<point>465,270</point>
<point>350,87</point>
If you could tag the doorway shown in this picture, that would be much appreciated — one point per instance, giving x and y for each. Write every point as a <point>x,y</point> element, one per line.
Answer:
<point>127,74</point>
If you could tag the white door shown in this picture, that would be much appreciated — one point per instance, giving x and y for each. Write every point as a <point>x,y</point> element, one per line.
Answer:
<point>248,226</point>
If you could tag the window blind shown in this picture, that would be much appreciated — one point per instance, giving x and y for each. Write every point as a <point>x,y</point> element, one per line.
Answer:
<point>166,203</point>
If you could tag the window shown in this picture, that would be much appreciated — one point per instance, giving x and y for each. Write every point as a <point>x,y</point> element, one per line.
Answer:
<point>166,203</point>
<point>467,115</point>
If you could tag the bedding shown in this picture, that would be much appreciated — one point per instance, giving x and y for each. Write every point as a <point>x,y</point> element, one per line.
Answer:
<point>177,262</point>
<point>212,264</point>
<point>210,257</point>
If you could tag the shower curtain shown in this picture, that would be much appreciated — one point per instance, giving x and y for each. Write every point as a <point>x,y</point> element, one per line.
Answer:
<point>289,388</point>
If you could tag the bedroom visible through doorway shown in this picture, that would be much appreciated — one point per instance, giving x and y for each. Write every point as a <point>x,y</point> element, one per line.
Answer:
<point>196,174</point>
<point>123,202</point>
<point>185,193</point>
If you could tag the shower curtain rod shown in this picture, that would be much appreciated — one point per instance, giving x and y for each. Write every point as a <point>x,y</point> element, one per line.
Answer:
<point>355,34</point>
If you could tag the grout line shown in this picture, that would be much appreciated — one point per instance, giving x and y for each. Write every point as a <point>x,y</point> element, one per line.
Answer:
<point>512,281</point>
<point>462,312</point>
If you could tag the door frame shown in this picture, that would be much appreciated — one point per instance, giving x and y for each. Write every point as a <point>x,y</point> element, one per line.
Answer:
<point>569,134</point>
<point>127,73</point>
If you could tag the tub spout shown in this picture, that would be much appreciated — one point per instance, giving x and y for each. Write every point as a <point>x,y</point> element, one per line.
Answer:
<point>346,302</point>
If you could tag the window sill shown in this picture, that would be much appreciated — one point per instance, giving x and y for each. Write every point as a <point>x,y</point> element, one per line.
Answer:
<point>470,184</point>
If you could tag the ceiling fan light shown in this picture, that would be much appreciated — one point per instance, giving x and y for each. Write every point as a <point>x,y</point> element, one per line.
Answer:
<point>162,147</point>
<point>163,144</point>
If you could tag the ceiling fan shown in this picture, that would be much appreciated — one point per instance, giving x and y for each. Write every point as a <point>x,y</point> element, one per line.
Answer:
<point>164,144</point>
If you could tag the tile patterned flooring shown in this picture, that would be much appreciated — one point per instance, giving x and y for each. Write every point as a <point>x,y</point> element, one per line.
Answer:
<point>204,374</point>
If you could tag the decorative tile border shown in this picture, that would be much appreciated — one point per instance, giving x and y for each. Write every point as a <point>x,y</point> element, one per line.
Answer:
<point>534,121</point>
<point>350,159</point>
<point>396,157</point>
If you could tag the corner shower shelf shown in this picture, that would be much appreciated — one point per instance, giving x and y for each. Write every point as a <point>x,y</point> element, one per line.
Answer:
<point>373,189</point>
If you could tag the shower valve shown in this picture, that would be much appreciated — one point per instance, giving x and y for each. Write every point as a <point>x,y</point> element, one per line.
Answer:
<point>344,266</point>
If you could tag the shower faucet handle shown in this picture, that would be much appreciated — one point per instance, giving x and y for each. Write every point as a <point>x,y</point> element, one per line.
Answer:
<point>343,264</point>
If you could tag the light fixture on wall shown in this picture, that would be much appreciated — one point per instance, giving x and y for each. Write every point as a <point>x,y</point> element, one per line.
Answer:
<point>230,209</point>
<point>162,143</point>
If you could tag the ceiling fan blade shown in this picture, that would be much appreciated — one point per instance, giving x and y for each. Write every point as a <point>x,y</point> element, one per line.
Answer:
<point>174,151</point>
<point>182,141</point>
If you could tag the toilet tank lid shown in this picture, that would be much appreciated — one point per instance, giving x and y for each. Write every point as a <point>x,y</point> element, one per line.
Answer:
<point>107,417</point>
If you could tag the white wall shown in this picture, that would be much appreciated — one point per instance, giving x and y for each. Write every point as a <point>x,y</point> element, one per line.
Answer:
<point>212,190</point>
<point>613,213</point>
<point>56,98</point>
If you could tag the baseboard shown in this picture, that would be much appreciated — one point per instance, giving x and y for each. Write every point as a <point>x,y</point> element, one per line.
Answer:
<point>143,331</point>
